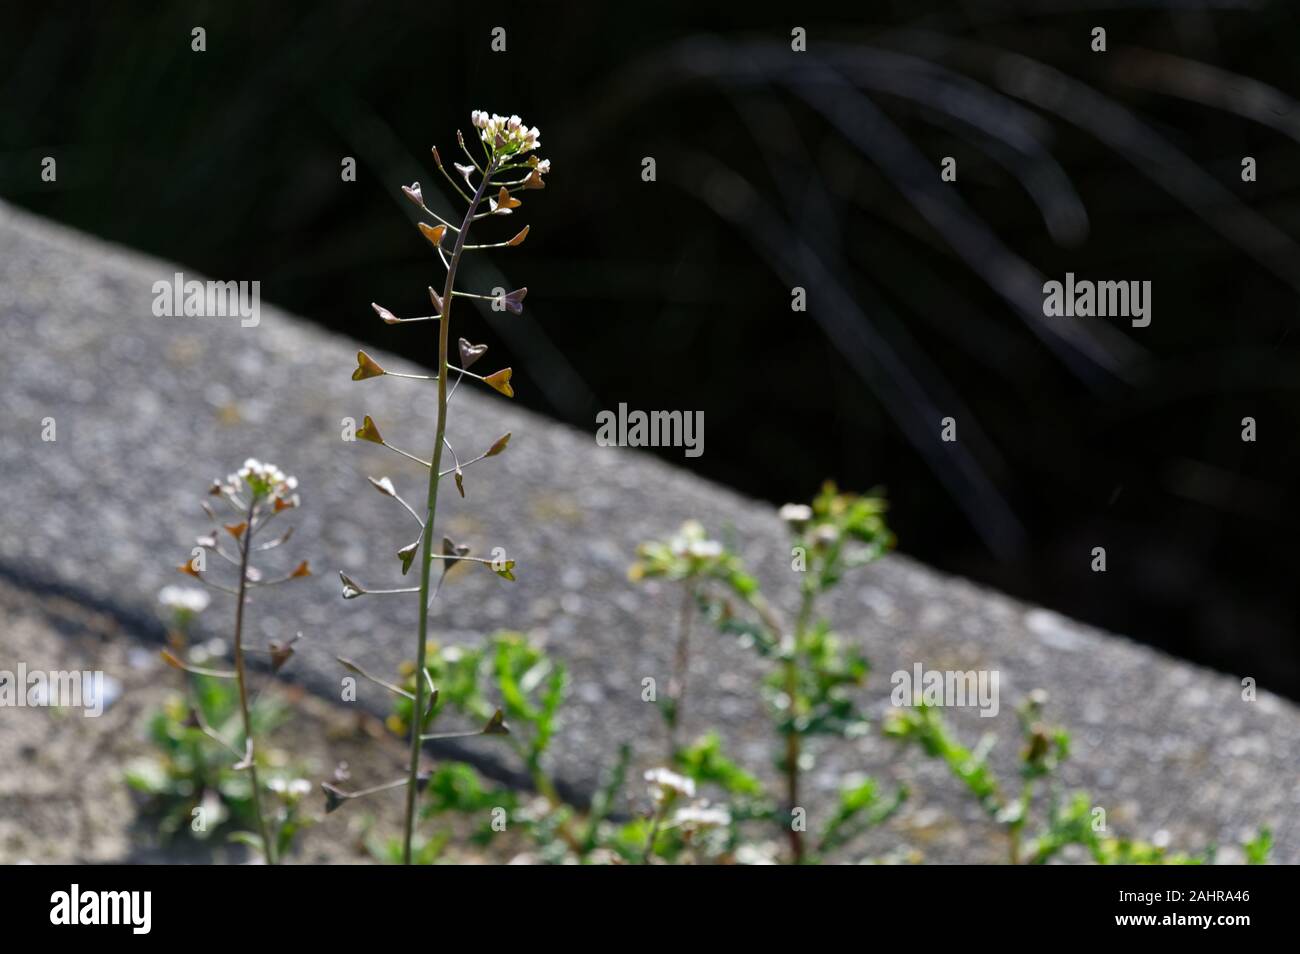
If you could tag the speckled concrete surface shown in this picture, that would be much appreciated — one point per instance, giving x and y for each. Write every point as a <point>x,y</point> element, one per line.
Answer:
<point>149,409</point>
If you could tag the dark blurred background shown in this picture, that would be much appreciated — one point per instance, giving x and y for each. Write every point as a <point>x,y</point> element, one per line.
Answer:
<point>777,169</point>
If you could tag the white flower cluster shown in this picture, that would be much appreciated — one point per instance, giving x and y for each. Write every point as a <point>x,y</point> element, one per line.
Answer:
<point>184,599</point>
<point>666,785</point>
<point>692,541</point>
<point>700,815</point>
<point>290,790</point>
<point>264,480</point>
<point>516,137</point>
<point>797,514</point>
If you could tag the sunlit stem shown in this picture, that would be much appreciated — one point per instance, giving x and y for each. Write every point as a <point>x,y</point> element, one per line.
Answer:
<point>476,248</point>
<point>241,678</point>
<point>459,378</point>
<point>455,458</point>
<point>409,508</point>
<point>472,460</point>
<point>363,792</point>
<point>398,450</point>
<point>441,220</point>
<point>349,664</point>
<point>427,552</point>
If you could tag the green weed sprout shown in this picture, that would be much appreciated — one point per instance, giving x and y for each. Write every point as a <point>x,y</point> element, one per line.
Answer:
<point>813,678</point>
<point>1066,818</point>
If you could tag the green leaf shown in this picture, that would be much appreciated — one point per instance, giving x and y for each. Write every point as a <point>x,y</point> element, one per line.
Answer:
<point>704,761</point>
<point>147,776</point>
<point>1259,848</point>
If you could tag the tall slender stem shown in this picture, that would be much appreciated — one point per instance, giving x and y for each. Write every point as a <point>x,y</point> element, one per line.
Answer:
<point>681,670</point>
<point>655,824</point>
<point>250,754</point>
<point>426,561</point>
<point>793,739</point>
<point>792,754</point>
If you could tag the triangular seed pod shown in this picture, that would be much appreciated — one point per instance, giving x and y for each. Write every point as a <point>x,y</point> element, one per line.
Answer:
<point>498,381</point>
<point>368,431</point>
<point>454,550</point>
<point>469,353</point>
<point>334,797</point>
<point>367,367</point>
<point>433,233</point>
<point>281,653</point>
<point>384,486</point>
<point>351,589</point>
<point>514,301</point>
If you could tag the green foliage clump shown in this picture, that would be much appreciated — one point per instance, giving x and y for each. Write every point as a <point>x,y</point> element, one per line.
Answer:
<point>190,782</point>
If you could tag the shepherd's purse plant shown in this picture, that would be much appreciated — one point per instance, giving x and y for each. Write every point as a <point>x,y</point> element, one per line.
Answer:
<point>255,496</point>
<point>505,164</point>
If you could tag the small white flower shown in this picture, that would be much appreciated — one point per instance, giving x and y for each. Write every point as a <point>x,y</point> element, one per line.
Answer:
<point>290,791</point>
<point>795,513</point>
<point>516,138</point>
<point>666,785</point>
<point>700,815</point>
<point>184,599</point>
<point>263,480</point>
<point>825,535</point>
<point>705,548</point>
<point>691,541</point>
